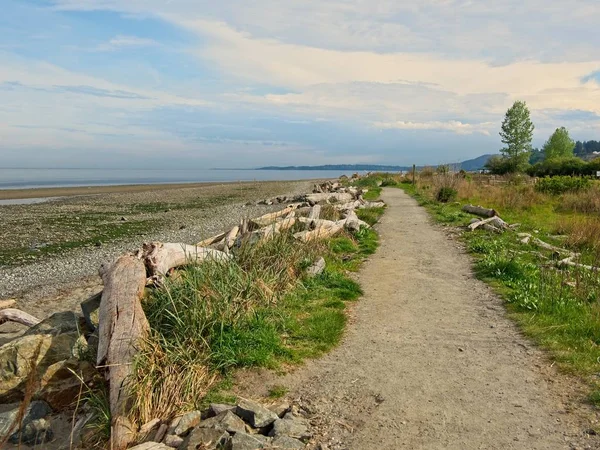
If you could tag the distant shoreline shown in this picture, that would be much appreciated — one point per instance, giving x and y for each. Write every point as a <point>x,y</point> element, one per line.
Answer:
<point>24,193</point>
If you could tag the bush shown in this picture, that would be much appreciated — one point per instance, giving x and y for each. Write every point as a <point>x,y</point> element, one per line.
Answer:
<point>446,194</point>
<point>559,166</point>
<point>562,184</point>
<point>498,165</point>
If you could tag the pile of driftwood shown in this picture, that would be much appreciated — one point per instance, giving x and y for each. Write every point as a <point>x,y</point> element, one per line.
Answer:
<point>122,322</point>
<point>490,221</point>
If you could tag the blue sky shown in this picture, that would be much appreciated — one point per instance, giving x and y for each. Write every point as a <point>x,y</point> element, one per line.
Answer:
<point>198,83</point>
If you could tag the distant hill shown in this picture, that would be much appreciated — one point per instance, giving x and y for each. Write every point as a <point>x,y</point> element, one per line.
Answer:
<point>470,165</point>
<point>475,164</point>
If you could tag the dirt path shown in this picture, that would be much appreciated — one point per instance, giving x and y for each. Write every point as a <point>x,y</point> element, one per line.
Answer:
<point>431,361</point>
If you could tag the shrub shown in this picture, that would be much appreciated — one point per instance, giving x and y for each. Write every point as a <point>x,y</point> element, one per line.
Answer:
<point>498,165</point>
<point>587,202</point>
<point>446,194</point>
<point>561,184</point>
<point>559,166</point>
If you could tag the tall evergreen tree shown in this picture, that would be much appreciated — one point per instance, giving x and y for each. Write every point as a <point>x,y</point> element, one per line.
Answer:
<point>517,134</point>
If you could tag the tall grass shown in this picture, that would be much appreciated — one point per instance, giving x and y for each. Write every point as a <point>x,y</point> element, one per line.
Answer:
<point>257,310</point>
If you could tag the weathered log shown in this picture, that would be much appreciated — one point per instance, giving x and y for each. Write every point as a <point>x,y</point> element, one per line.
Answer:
<point>161,257</point>
<point>336,197</point>
<point>122,326</point>
<point>316,223</point>
<point>569,262</point>
<point>322,232</point>
<point>270,218</point>
<point>352,222</point>
<point>231,236</point>
<point>9,303</point>
<point>315,212</point>
<point>349,205</point>
<point>479,211</point>
<point>244,226</point>
<point>495,224</point>
<point>371,205</point>
<point>18,316</point>
<point>212,240</point>
<point>277,227</point>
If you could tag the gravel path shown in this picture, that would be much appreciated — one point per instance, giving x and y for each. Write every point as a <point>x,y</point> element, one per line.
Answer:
<point>432,362</point>
<point>61,282</point>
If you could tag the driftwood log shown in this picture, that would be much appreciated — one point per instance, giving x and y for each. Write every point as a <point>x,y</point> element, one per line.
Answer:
<point>321,232</point>
<point>494,223</point>
<point>122,325</point>
<point>18,316</point>
<point>337,197</point>
<point>161,257</point>
<point>9,303</point>
<point>270,218</point>
<point>212,240</point>
<point>479,211</point>
<point>231,236</point>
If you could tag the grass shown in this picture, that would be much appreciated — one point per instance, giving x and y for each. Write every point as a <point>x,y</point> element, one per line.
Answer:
<point>558,309</point>
<point>257,310</point>
<point>277,392</point>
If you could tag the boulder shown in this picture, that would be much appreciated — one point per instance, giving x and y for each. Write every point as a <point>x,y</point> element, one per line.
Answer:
<point>317,268</point>
<point>54,349</point>
<point>291,426</point>
<point>206,439</point>
<point>187,422</point>
<point>217,408</point>
<point>255,414</point>
<point>35,432</point>
<point>244,441</point>
<point>226,421</point>
<point>173,441</point>
<point>281,409</point>
<point>287,443</point>
<point>36,411</point>
<point>151,446</point>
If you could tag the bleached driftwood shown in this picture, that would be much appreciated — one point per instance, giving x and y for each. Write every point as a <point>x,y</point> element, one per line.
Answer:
<point>315,212</point>
<point>18,316</point>
<point>495,224</point>
<point>316,223</point>
<point>322,232</point>
<point>352,222</point>
<point>122,326</point>
<point>9,303</point>
<point>479,211</point>
<point>161,257</point>
<point>337,197</point>
<point>212,240</point>
<point>270,218</point>
<point>570,262</point>
<point>231,236</point>
<point>378,204</point>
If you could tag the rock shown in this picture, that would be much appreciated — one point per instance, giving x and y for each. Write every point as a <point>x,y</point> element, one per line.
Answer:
<point>244,441</point>
<point>57,342</point>
<point>291,426</point>
<point>256,415</point>
<point>227,421</point>
<point>281,409</point>
<point>287,443</point>
<point>35,432</point>
<point>172,440</point>
<point>206,439</point>
<point>123,219</point>
<point>148,431</point>
<point>187,422</point>
<point>160,433</point>
<point>151,446</point>
<point>317,268</point>
<point>35,411</point>
<point>217,408</point>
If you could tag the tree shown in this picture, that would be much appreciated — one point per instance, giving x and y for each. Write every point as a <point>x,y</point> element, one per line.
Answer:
<point>559,145</point>
<point>517,134</point>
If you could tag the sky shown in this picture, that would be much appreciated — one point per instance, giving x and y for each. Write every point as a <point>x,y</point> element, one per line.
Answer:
<point>236,84</point>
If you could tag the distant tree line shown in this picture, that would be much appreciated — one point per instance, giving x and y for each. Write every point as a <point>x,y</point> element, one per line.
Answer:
<point>560,155</point>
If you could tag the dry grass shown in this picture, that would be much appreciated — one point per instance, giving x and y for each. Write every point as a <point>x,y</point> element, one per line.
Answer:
<point>582,232</point>
<point>586,202</point>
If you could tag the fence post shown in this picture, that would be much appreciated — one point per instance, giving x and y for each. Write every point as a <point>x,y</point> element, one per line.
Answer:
<point>414,170</point>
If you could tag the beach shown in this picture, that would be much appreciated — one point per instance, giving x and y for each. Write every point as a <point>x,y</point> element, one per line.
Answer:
<point>50,252</point>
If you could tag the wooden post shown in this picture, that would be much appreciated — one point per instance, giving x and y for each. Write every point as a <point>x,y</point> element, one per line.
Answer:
<point>414,170</point>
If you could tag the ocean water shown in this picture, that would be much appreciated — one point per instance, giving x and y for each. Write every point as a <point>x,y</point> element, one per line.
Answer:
<point>41,178</point>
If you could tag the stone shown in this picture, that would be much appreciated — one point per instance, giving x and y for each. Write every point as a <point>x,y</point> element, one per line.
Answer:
<point>281,409</point>
<point>287,443</point>
<point>206,439</point>
<point>256,415</point>
<point>217,408</point>
<point>148,431</point>
<point>227,421</point>
<point>151,446</point>
<point>53,348</point>
<point>172,440</point>
<point>35,432</point>
<point>35,411</point>
<point>317,268</point>
<point>187,422</point>
<point>291,426</point>
<point>160,433</point>
<point>244,441</point>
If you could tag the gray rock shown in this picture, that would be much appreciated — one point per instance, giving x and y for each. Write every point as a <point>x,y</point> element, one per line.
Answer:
<point>256,415</point>
<point>162,430</point>
<point>151,446</point>
<point>206,439</point>
<point>287,443</point>
<point>217,408</point>
<point>187,422</point>
<point>281,409</point>
<point>35,411</point>
<point>317,268</point>
<point>291,426</point>
<point>244,441</point>
<point>172,440</point>
<point>35,432</point>
<point>227,421</point>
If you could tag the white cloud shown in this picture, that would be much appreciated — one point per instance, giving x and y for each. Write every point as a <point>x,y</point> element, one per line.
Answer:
<point>123,41</point>
<point>453,125</point>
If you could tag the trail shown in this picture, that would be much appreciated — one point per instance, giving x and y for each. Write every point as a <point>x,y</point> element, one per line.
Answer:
<point>431,362</point>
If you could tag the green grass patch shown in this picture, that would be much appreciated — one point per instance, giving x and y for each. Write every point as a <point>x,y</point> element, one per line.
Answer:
<point>277,392</point>
<point>370,215</point>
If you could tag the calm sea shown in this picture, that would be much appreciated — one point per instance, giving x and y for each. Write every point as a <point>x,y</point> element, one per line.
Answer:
<point>37,178</point>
